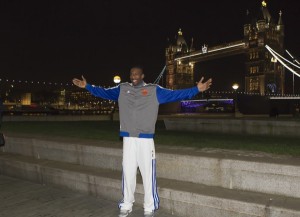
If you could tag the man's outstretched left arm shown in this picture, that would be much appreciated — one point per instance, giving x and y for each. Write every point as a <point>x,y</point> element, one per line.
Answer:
<point>167,95</point>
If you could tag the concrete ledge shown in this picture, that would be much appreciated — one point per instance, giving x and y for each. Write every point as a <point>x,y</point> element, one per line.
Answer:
<point>265,177</point>
<point>69,152</point>
<point>257,173</point>
<point>240,126</point>
<point>181,198</point>
<point>57,118</point>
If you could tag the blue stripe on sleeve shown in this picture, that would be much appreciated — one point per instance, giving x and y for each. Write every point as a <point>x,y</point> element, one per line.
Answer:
<point>166,95</point>
<point>105,93</point>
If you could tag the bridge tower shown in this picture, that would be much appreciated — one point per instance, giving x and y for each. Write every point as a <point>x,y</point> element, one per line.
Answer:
<point>263,73</point>
<point>179,74</point>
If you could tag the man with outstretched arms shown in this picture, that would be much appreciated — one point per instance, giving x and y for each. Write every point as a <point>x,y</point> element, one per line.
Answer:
<point>138,107</point>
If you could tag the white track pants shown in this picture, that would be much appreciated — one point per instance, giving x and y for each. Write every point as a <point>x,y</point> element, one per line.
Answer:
<point>139,152</point>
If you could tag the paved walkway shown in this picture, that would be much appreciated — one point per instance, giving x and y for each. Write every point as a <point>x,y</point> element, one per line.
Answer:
<point>21,198</point>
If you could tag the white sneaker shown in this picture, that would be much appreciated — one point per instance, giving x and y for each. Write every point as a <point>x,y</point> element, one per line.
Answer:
<point>124,212</point>
<point>148,214</point>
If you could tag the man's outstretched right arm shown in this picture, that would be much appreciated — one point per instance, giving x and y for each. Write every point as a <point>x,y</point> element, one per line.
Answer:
<point>105,93</point>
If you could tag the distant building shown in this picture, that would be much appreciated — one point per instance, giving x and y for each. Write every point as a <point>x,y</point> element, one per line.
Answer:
<point>83,99</point>
<point>26,99</point>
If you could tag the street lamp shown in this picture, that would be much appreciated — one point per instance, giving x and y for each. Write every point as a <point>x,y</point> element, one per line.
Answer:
<point>235,86</point>
<point>274,60</point>
<point>114,115</point>
<point>117,79</point>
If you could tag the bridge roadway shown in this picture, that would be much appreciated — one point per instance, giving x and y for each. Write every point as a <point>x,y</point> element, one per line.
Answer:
<point>228,49</point>
<point>21,198</point>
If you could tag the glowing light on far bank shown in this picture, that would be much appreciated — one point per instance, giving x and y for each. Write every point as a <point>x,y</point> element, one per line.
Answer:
<point>235,86</point>
<point>117,79</point>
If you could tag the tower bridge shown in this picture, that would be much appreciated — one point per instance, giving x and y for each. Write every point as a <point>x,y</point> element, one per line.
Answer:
<point>262,74</point>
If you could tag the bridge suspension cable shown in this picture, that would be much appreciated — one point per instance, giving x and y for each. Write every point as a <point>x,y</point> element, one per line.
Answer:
<point>283,57</point>
<point>294,59</point>
<point>279,58</point>
<point>160,75</point>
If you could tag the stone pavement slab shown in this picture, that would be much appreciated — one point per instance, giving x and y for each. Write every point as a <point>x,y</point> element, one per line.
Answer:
<point>21,198</point>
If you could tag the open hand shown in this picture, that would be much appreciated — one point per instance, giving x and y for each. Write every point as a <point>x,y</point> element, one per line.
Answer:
<point>204,86</point>
<point>80,83</point>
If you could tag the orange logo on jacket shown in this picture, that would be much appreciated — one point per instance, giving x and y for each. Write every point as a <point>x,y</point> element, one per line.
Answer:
<point>144,92</point>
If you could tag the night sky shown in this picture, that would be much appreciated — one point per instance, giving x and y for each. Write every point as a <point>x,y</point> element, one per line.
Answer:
<point>58,40</point>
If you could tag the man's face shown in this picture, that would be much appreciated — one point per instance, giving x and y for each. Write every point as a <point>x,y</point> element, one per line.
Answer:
<point>136,76</point>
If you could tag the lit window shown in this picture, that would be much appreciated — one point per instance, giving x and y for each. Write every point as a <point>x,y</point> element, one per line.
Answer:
<point>254,84</point>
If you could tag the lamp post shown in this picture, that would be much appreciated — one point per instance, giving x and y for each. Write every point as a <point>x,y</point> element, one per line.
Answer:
<point>235,86</point>
<point>117,79</point>
<point>274,60</point>
<point>115,114</point>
